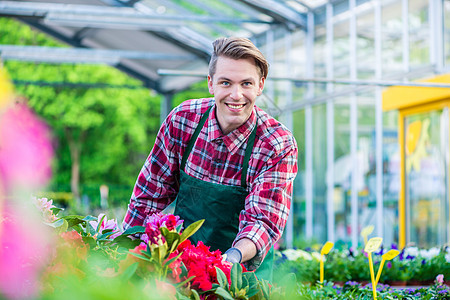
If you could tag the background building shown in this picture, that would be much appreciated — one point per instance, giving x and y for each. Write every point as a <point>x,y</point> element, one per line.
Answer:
<point>333,65</point>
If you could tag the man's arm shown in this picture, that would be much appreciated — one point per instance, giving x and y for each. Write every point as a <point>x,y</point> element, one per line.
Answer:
<point>156,186</point>
<point>267,207</point>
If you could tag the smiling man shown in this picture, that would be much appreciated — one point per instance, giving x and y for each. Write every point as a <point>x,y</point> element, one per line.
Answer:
<point>224,160</point>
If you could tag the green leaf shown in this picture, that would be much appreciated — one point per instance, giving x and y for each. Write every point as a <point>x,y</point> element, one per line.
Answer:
<point>104,236</point>
<point>56,223</point>
<point>222,278</point>
<point>171,237</point>
<point>74,220</point>
<point>63,227</point>
<point>236,277</point>
<point>265,288</point>
<point>174,246</point>
<point>172,259</point>
<point>184,282</point>
<point>141,256</point>
<point>223,293</point>
<point>89,218</point>
<point>191,229</point>
<point>250,281</point>
<point>90,240</point>
<point>125,241</point>
<point>134,230</point>
<point>180,296</point>
<point>126,275</point>
<point>56,210</point>
<point>195,294</point>
<point>99,225</point>
<point>162,252</point>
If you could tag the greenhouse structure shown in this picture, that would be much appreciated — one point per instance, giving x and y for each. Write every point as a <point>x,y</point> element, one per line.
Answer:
<point>364,85</point>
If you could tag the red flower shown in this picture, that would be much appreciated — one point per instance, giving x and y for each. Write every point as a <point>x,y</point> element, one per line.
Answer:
<point>74,240</point>
<point>171,221</point>
<point>201,263</point>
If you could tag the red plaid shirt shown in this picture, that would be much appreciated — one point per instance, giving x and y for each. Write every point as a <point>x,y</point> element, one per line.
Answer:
<point>218,158</point>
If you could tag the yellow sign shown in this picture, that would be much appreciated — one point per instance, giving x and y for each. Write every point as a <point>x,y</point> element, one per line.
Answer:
<point>366,231</point>
<point>387,256</point>
<point>373,244</point>
<point>325,250</point>
<point>390,254</point>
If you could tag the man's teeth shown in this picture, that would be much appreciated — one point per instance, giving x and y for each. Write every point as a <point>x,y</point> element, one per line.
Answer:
<point>236,106</point>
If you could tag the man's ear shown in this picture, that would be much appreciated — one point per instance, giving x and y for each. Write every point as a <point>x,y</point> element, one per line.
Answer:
<point>210,85</point>
<point>261,86</point>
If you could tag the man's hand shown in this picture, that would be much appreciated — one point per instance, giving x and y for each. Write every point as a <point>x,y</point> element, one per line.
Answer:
<point>233,255</point>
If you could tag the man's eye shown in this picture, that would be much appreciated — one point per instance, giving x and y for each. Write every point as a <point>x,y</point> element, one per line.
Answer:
<point>247,83</point>
<point>225,83</point>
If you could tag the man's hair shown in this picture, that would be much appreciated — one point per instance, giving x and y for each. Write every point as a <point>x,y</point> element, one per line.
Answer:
<point>238,48</point>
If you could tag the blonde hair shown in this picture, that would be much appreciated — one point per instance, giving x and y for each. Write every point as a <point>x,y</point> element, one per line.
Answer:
<point>238,48</point>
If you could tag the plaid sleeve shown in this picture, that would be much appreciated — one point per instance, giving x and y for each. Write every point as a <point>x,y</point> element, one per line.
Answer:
<point>156,186</point>
<point>268,204</point>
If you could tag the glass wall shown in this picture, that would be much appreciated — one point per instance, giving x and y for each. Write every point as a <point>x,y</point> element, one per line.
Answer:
<point>426,144</point>
<point>446,15</point>
<point>391,177</point>
<point>391,37</point>
<point>342,169</point>
<point>419,33</point>
<point>404,40</point>
<point>319,172</point>
<point>365,43</point>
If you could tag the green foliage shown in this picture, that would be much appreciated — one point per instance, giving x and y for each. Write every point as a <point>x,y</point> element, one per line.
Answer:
<point>197,90</point>
<point>113,129</point>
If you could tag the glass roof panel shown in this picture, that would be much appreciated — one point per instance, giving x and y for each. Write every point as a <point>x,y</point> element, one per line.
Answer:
<point>223,18</point>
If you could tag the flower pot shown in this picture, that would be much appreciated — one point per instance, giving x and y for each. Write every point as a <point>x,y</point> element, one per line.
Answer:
<point>414,282</point>
<point>396,282</point>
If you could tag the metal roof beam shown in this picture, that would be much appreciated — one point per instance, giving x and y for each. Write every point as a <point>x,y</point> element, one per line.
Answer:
<point>148,82</point>
<point>179,9</point>
<point>278,10</point>
<point>104,16</point>
<point>80,55</point>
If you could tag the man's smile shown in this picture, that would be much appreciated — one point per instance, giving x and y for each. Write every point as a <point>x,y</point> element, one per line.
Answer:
<point>235,106</point>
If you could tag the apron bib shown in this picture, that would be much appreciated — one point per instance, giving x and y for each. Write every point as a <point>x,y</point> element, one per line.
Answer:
<point>220,205</point>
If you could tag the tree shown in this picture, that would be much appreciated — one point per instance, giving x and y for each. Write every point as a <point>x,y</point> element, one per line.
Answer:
<point>103,134</point>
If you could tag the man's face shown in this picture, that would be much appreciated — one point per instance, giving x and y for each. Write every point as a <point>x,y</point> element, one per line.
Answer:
<point>235,86</point>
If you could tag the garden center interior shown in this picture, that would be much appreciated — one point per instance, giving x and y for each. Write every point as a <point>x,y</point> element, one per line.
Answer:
<point>363,85</point>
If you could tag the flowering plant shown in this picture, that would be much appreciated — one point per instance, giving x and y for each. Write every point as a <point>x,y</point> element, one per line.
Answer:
<point>156,256</point>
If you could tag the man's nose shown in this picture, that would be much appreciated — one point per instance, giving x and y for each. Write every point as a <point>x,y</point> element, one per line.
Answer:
<point>236,93</point>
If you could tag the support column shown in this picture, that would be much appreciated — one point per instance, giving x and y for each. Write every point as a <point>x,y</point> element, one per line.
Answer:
<point>166,106</point>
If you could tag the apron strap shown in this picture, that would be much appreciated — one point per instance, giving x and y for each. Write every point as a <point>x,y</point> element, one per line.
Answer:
<point>194,138</point>
<point>248,153</point>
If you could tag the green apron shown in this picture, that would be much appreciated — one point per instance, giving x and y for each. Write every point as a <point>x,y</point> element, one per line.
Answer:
<point>220,205</point>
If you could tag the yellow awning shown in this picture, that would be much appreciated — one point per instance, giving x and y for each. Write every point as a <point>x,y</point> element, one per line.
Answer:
<point>398,97</point>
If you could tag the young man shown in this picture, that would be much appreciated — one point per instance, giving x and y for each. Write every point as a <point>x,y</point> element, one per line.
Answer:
<point>224,160</point>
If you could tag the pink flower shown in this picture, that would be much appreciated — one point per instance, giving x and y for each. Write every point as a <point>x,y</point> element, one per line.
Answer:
<point>171,222</point>
<point>24,251</point>
<point>440,279</point>
<point>106,224</point>
<point>153,224</point>
<point>25,149</point>
<point>45,206</point>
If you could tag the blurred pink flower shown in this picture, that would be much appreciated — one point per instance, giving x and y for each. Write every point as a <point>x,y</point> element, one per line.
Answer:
<point>24,251</point>
<point>106,224</point>
<point>25,149</point>
<point>44,205</point>
<point>440,279</point>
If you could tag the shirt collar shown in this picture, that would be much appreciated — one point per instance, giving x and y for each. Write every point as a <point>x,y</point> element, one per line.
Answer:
<point>233,140</point>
